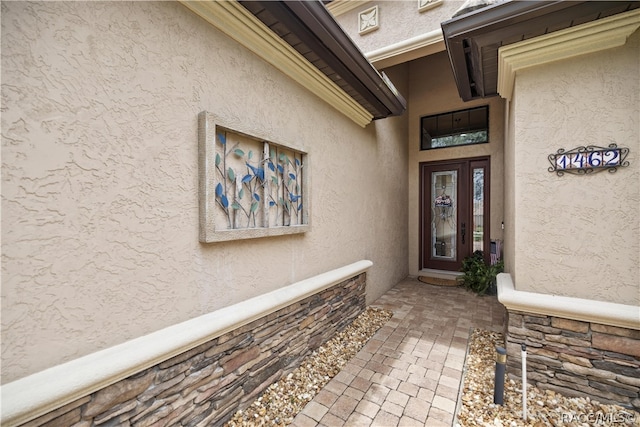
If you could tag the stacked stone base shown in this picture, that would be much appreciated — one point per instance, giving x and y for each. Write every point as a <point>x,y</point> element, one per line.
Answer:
<point>576,358</point>
<point>208,384</point>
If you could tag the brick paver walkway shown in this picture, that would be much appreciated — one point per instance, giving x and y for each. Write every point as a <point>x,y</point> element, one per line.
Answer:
<point>409,373</point>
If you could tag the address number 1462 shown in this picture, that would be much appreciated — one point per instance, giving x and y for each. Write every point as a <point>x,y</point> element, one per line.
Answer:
<point>590,159</point>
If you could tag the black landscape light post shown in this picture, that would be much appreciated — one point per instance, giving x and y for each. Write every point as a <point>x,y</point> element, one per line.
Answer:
<point>498,389</point>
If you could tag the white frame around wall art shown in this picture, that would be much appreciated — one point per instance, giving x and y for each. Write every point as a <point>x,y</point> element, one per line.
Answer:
<point>248,187</point>
<point>368,20</point>
<point>424,5</point>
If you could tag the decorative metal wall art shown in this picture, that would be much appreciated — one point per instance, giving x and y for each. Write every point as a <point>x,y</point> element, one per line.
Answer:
<point>249,187</point>
<point>587,160</point>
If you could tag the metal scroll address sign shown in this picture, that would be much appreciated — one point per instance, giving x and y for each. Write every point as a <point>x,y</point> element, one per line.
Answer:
<point>587,160</point>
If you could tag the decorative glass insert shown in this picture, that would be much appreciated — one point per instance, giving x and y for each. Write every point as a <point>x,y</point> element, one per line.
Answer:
<point>249,187</point>
<point>444,216</point>
<point>455,128</point>
<point>478,209</point>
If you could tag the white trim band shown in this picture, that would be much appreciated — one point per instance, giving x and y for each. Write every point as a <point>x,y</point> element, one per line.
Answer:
<point>239,24</point>
<point>407,50</point>
<point>339,7</point>
<point>38,394</point>
<point>605,313</point>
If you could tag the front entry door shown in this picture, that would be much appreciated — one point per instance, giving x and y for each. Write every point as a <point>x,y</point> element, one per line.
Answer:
<point>454,212</point>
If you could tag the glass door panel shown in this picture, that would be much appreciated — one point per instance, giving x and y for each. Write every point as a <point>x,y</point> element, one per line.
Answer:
<point>454,212</point>
<point>478,209</point>
<point>444,196</point>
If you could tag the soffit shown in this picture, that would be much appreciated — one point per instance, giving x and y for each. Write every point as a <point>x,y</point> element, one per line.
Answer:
<point>603,34</point>
<point>309,28</point>
<point>473,39</point>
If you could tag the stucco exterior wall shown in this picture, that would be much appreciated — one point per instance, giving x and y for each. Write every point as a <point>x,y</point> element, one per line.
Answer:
<point>510,220</point>
<point>578,236</point>
<point>386,181</point>
<point>100,180</point>
<point>398,21</point>
<point>433,91</point>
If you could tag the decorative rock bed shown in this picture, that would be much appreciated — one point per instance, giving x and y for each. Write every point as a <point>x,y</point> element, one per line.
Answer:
<point>280,403</point>
<point>283,400</point>
<point>544,407</point>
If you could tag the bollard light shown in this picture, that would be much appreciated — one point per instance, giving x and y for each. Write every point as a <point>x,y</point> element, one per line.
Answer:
<point>524,381</point>
<point>498,389</point>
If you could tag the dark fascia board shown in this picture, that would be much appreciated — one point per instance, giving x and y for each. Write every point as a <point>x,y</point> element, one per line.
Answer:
<point>459,34</point>
<point>463,52</point>
<point>499,15</point>
<point>468,36</point>
<point>312,23</point>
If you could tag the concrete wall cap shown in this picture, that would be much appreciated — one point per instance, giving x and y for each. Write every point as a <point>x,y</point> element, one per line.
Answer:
<point>606,313</point>
<point>35,395</point>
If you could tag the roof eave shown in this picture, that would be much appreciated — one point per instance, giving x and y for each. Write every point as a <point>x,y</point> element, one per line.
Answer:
<point>312,22</point>
<point>459,32</point>
<point>472,39</point>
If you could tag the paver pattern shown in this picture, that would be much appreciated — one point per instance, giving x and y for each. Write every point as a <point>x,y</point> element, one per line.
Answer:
<point>409,373</point>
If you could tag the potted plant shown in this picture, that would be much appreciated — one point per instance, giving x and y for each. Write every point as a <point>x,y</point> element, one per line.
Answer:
<point>478,276</point>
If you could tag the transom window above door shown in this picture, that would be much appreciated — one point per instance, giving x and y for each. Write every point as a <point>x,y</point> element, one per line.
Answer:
<point>463,127</point>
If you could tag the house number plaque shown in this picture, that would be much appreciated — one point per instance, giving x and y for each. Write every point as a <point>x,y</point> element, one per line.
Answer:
<point>587,160</point>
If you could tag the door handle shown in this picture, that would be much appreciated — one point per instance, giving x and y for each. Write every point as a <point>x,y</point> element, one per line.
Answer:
<point>463,231</point>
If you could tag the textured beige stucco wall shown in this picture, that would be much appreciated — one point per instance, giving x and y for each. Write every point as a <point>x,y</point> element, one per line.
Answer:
<point>386,212</point>
<point>399,21</point>
<point>578,236</point>
<point>99,178</point>
<point>510,220</point>
<point>433,91</point>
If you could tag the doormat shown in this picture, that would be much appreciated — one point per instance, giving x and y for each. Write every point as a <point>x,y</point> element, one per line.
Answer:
<point>437,281</point>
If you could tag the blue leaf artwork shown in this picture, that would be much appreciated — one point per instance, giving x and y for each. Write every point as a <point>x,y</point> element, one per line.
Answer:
<point>258,184</point>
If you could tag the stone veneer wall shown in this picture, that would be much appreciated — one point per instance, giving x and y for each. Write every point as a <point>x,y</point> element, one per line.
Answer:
<point>576,358</point>
<point>209,383</point>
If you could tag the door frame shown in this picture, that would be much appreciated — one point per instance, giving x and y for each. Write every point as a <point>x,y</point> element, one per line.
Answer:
<point>465,201</point>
